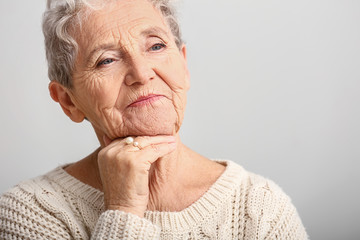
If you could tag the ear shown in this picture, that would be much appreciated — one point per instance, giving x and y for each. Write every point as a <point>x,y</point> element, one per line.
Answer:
<point>183,51</point>
<point>60,94</point>
<point>183,54</point>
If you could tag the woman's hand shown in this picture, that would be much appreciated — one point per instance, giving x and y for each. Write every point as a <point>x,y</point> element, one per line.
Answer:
<point>124,171</point>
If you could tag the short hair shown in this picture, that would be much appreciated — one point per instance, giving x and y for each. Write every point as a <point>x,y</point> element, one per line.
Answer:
<point>61,48</point>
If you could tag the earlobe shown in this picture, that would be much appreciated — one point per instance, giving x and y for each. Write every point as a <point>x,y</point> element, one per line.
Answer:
<point>61,95</point>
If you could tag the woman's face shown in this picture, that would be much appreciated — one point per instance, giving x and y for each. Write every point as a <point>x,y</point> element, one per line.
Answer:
<point>130,77</point>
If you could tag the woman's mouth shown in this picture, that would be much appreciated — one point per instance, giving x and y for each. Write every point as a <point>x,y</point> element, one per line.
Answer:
<point>145,100</point>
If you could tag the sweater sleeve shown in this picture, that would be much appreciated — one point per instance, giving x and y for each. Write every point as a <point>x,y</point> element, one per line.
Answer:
<point>114,224</point>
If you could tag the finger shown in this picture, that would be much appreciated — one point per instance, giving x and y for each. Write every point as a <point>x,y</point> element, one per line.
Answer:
<point>145,141</point>
<point>114,142</point>
<point>155,151</point>
<point>140,143</point>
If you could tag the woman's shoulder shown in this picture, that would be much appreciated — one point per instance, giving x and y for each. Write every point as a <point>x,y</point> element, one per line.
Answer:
<point>31,187</point>
<point>251,182</point>
<point>258,194</point>
<point>34,195</point>
<point>263,205</point>
<point>43,205</point>
<point>54,186</point>
<point>255,192</point>
<point>26,190</point>
<point>24,212</point>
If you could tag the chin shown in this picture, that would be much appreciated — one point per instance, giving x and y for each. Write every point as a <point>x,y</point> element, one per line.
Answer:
<point>151,130</point>
<point>152,123</point>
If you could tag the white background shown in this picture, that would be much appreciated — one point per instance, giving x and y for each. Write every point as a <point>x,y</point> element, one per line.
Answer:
<point>275,87</point>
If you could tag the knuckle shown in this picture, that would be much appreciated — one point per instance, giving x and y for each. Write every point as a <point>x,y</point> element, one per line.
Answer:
<point>156,148</point>
<point>129,162</point>
<point>119,156</point>
<point>104,154</point>
<point>101,154</point>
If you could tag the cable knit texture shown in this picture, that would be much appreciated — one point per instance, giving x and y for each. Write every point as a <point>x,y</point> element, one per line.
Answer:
<point>239,205</point>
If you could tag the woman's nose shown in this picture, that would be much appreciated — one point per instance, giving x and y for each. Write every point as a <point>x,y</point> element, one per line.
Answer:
<point>140,71</point>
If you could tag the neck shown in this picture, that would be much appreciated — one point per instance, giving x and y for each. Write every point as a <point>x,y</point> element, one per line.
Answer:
<point>174,180</point>
<point>167,180</point>
<point>167,169</point>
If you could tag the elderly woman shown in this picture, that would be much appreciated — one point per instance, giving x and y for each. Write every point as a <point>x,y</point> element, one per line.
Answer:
<point>121,65</point>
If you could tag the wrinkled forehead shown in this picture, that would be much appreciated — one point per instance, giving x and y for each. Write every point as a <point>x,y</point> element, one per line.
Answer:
<point>118,20</point>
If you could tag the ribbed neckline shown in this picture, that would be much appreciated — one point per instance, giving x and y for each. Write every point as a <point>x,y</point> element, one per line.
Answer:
<point>207,204</point>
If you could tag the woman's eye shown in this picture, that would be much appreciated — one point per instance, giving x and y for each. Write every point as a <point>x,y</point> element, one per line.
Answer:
<point>106,61</point>
<point>157,47</point>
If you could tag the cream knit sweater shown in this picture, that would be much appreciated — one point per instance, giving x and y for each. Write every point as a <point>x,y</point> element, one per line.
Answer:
<point>239,205</point>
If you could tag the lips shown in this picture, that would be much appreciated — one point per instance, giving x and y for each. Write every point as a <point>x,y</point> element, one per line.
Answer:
<point>144,100</point>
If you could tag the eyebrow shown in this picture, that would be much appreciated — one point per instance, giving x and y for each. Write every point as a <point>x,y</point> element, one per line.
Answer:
<point>154,31</point>
<point>146,32</point>
<point>104,46</point>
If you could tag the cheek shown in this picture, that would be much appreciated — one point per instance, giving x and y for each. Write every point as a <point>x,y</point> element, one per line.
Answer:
<point>174,74</point>
<point>173,71</point>
<point>97,93</point>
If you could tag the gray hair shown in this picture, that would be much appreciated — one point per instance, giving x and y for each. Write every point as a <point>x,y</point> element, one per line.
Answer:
<point>59,20</point>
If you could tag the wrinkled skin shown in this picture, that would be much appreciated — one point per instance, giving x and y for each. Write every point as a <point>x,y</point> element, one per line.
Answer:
<point>136,64</point>
<point>127,51</point>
